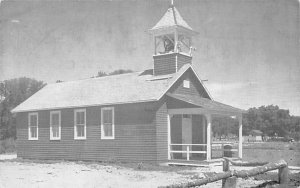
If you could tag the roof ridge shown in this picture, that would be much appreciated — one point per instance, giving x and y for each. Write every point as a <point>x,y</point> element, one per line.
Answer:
<point>94,78</point>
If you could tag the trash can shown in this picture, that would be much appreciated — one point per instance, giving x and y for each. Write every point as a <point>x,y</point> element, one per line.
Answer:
<point>227,151</point>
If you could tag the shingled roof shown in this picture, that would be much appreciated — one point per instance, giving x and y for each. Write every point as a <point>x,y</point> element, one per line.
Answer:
<point>171,18</point>
<point>118,89</point>
<point>123,88</point>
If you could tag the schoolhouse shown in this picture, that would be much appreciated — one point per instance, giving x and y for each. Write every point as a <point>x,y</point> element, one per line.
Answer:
<point>156,115</point>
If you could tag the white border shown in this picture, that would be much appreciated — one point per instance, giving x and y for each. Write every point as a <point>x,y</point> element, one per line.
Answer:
<point>113,123</point>
<point>37,126</point>
<point>75,128</point>
<point>59,123</point>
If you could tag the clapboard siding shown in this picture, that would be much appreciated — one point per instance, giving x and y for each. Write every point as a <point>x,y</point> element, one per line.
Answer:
<point>162,132</point>
<point>182,60</point>
<point>170,63</point>
<point>174,104</point>
<point>196,88</point>
<point>135,135</point>
<point>165,64</point>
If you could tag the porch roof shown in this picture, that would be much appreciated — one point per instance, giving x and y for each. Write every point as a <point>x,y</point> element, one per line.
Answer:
<point>207,104</point>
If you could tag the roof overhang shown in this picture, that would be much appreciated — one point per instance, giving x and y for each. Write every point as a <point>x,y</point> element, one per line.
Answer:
<point>205,106</point>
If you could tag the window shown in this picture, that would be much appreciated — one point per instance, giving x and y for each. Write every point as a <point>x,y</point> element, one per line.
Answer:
<point>33,126</point>
<point>55,125</point>
<point>107,123</point>
<point>80,124</point>
<point>186,83</point>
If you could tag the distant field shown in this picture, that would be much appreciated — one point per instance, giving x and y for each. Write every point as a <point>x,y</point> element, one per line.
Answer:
<point>272,151</point>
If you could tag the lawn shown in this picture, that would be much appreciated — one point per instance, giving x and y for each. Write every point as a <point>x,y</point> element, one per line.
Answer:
<point>272,152</point>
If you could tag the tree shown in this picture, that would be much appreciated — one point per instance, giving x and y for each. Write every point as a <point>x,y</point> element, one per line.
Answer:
<point>12,93</point>
<point>119,71</point>
<point>271,120</point>
<point>101,74</point>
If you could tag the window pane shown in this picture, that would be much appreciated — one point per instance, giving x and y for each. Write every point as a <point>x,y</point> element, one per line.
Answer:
<point>55,119</point>
<point>80,130</point>
<point>107,129</point>
<point>80,118</point>
<point>107,116</point>
<point>33,132</point>
<point>33,120</point>
<point>55,131</point>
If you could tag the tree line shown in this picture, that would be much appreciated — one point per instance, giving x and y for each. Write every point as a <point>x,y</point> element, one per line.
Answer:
<point>271,120</point>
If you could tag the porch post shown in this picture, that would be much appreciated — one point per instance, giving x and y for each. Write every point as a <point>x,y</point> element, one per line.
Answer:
<point>208,143</point>
<point>169,136</point>
<point>240,136</point>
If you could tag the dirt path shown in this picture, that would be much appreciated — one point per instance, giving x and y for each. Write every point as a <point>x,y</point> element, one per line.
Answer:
<point>70,174</point>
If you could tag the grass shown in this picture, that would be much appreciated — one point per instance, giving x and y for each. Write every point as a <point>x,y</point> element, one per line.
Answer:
<point>8,145</point>
<point>272,152</point>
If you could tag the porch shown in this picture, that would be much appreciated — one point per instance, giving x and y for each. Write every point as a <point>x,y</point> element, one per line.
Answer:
<point>190,131</point>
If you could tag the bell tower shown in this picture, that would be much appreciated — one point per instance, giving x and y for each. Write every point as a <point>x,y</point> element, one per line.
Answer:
<point>172,40</point>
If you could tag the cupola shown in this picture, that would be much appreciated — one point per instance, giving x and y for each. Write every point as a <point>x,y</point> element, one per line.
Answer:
<point>172,40</point>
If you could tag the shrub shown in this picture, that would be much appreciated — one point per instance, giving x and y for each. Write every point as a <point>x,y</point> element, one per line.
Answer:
<point>8,145</point>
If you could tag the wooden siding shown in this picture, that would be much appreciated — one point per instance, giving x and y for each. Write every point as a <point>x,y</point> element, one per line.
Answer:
<point>182,60</point>
<point>197,133</point>
<point>135,135</point>
<point>175,104</point>
<point>176,134</point>
<point>196,88</point>
<point>164,64</point>
<point>162,131</point>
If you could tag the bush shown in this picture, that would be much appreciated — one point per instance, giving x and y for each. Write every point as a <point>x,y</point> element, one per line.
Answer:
<point>8,145</point>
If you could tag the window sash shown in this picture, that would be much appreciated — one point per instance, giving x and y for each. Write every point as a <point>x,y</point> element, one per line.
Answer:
<point>33,126</point>
<point>80,124</point>
<point>107,123</point>
<point>55,131</point>
<point>80,130</point>
<point>33,131</point>
<point>108,129</point>
<point>55,125</point>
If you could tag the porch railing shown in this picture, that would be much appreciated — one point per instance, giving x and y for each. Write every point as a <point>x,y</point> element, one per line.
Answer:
<point>219,149</point>
<point>188,151</point>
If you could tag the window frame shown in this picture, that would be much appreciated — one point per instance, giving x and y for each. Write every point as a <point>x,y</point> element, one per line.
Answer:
<point>59,125</point>
<point>29,126</point>
<point>186,84</point>
<point>75,124</point>
<point>103,137</point>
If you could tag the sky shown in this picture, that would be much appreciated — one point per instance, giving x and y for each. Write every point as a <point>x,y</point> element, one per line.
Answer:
<point>248,50</point>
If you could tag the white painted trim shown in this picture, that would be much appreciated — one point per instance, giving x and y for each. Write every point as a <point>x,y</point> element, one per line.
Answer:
<point>208,147</point>
<point>84,106</point>
<point>240,137</point>
<point>37,126</point>
<point>59,125</point>
<point>179,76</point>
<point>75,127</point>
<point>103,137</point>
<point>202,83</point>
<point>169,135</point>
<point>199,111</point>
<point>203,128</point>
